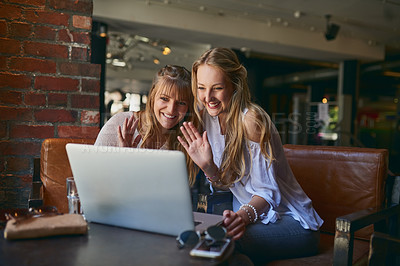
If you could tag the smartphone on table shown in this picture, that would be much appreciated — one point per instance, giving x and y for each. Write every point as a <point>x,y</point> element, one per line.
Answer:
<point>210,250</point>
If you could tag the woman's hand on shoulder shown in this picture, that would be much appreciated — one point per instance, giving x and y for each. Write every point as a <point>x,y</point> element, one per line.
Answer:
<point>127,131</point>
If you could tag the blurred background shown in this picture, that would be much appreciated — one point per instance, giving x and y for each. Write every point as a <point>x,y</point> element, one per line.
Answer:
<point>327,72</point>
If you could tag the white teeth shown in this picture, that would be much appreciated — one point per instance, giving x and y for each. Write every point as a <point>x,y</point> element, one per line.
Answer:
<point>169,116</point>
<point>213,104</point>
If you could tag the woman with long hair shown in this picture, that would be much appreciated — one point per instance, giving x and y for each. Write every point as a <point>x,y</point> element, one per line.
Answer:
<point>170,103</point>
<point>240,150</point>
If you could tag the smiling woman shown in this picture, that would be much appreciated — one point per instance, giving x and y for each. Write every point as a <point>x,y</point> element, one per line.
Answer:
<point>240,149</point>
<point>170,103</point>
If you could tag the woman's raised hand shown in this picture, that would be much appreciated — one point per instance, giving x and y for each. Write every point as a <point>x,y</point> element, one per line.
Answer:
<point>197,146</point>
<point>126,133</point>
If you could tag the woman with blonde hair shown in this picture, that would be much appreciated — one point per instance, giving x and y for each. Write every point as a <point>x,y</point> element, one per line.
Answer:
<point>240,149</point>
<point>170,102</point>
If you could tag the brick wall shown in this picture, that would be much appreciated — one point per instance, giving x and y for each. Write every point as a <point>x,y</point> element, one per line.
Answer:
<point>48,87</point>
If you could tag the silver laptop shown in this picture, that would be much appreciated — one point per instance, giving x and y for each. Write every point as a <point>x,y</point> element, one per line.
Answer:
<point>140,189</point>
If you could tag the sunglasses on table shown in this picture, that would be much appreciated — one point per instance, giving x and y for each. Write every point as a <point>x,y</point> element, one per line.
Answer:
<point>213,235</point>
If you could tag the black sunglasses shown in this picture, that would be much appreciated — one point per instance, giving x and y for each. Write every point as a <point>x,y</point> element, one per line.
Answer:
<point>212,235</point>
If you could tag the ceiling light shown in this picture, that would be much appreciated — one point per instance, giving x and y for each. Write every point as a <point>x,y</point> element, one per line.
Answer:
<point>166,50</point>
<point>103,30</point>
<point>297,14</point>
<point>141,38</point>
<point>118,63</point>
<point>331,29</point>
<point>156,60</point>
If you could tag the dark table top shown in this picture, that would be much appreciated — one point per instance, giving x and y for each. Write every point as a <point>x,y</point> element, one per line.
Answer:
<point>103,245</point>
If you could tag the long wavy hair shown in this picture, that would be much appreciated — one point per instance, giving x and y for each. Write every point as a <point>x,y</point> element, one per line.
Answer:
<point>169,78</point>
<point>233,167</point>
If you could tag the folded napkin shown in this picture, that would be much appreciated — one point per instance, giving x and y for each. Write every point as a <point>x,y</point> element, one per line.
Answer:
<point>35,227</point>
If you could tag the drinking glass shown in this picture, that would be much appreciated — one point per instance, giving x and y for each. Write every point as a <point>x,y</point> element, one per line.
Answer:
<point>74,203</point>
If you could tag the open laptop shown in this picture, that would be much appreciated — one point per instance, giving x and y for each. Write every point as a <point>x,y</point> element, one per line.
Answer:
<point>140,189</point>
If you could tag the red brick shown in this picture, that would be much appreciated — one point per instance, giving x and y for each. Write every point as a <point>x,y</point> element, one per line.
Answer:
<point>18,164</point>
<point>10,46</point>
<point>20,29</point>
<point>3,28</point>
<point>45,33</point>
<point>56,115</point>
<point>31,131</point>
<point>3,62</point>
<point>11,97</point>
<point>90,117</point>
<point>46,17</point>
<point>78,132</point>
<point>14,182</point>
<point>82,37</point>
<point>57,99</point>
<point>56,84</point>
<point>80,69</point>
<point>36,3</point>
<point>35,99</point>
<point>19,148</point>
<point>3,129</point>
<point>32,65</point>
<point>19,81</point>
<point>89,54</point>
<point>90,85</point>
<point>17,114</point>
<point>80,54</point>
<point>78,6</point>
<point>10,11</point>
<point>85,101</point>
<point>46,49</point>
<point>65,35</point>
<point>82,22</point>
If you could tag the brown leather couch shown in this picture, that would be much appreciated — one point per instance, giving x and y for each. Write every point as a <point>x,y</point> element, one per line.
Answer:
<point>340,181</point>
<point>54,169</point>
<point>346,185</point>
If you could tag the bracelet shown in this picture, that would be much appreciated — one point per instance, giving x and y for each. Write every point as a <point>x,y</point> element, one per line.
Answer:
<point>248,213</point>
<point>211,178</point>
<point>254,210</point>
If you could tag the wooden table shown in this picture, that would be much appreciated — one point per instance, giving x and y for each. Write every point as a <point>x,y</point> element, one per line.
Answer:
<point>104,245</point>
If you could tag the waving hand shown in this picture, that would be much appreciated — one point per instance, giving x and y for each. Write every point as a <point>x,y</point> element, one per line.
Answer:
<point>126,133</point>
<point>198,147</point>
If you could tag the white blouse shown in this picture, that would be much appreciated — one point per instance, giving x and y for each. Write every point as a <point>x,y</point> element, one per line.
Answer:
<point>276,184</point>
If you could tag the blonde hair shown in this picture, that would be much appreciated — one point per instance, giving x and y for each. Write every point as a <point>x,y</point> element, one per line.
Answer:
<point>169,78</point>
<point>233,167</point>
